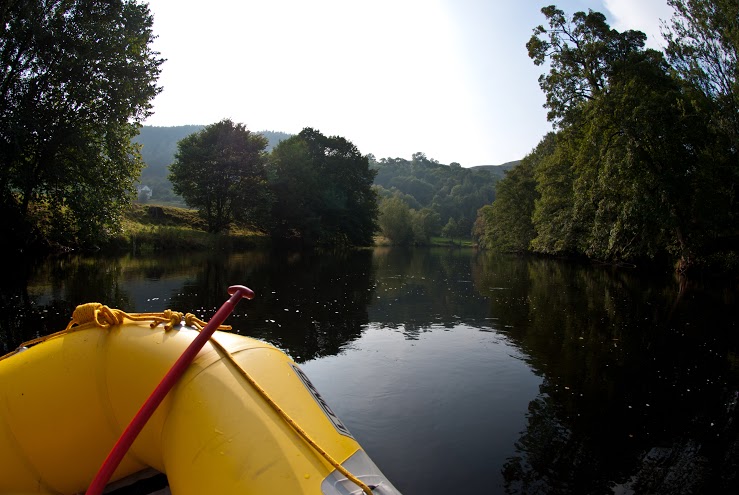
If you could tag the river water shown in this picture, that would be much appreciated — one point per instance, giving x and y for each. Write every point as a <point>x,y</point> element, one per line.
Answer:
<point>458,371</point>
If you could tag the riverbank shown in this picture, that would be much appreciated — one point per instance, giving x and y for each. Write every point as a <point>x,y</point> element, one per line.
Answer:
<point>154,228</point>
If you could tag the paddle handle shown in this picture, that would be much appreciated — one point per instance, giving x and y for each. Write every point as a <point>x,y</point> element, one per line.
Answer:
<point>157,396</point>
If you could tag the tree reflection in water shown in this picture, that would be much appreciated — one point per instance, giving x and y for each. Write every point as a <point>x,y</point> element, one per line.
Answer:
<point>638,392</point>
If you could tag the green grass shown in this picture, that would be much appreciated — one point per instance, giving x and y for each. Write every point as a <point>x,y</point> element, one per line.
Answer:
<point>153,227</point>
<point>435,241</point>
<point>445,241</point>
<point>148,228</point>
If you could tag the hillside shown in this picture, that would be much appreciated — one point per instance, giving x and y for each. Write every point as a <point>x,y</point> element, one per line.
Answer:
<point>449,191</point>
<point>498,170</point>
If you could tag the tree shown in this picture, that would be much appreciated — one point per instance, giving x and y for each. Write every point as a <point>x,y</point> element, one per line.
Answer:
<point>77,79</point>
<point>447,190</point>
<point>451,230</point>
<point>508,225</point>
<point>396,221</point>
<point>425,222</point>
<point>220,170</point>
<point>703,48</point>
<point>628,177</point>
<point>580,53</point>
<point>323,191</point>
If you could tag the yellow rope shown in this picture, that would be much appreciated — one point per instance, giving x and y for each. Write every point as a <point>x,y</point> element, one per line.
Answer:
<point>192,320</point>
<point>104,317</point>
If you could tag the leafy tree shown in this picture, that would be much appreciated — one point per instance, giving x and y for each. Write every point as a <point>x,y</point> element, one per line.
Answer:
<point>294,183</point>
<point>396,221</point>
<point>580,53</point>
<point>77,79</point>
<point>650,176</point>
<point>323,191</point>
<point>405,225</point>
<point>508,225</point>
<point>425,223</point>
<point>552,218</point>
<point>480,227</point>
<point>220,170</point>
<point>451,229</point>
<point>703,48</point>
<point>643,164</point>
<point>628,176</point>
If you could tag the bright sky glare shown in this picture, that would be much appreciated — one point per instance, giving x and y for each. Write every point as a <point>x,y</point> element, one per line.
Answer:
<point>449,78</point>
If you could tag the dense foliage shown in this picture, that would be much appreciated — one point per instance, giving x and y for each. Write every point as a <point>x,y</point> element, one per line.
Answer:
<point>507,224</point>
<point>220,170</point>
<point>77,78</point>
<point>404,225</point>
<point>322,189</point>
<point>434,194</point>
<point>644,163</point>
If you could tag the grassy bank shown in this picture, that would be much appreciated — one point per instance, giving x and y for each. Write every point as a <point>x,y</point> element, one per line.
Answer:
<point>445,241</point>
<point>149,228</point>
<point>433,242</point>
<point>165,228</point>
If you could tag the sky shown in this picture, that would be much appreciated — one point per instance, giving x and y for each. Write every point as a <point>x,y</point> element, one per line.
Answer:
<point>448,78</point>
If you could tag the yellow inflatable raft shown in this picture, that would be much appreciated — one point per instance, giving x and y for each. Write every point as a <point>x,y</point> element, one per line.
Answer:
<point>243,419</point>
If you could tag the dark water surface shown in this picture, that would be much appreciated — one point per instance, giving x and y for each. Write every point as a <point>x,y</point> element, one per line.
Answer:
<point>460,372</point>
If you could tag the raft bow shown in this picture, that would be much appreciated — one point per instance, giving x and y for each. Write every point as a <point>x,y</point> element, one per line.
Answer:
<point>243,419</point>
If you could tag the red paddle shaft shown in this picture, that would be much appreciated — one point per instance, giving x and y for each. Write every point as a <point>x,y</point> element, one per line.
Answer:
<point>156,397</point>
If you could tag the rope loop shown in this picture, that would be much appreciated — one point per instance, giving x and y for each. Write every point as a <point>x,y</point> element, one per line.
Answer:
<point>170,318</point>
<point>97,313</point>
<point>193,321</point>
<point>105,317</point>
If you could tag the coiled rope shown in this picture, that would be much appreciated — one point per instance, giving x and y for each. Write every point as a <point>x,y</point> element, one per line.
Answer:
<point>105,317</point>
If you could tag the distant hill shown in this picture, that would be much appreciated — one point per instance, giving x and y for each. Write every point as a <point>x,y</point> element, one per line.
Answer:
<point>449,191</point>
<point>158,147</point>
<point>498,170</point>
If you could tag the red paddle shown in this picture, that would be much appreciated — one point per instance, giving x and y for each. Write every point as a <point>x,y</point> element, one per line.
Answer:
<point>175,372</point>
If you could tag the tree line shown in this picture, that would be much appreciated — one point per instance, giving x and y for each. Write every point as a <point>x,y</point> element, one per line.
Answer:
<point>311,189</point>
<point>643,161</point>
<point>320,190</point>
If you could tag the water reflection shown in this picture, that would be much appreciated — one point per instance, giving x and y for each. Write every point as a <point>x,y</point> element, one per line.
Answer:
<point>309,305</point>
<point>638,392</point>
<point>417,289</point>
<point>637,376</point>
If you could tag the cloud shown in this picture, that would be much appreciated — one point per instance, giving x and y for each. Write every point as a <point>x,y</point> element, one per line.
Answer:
<point>642,15</point>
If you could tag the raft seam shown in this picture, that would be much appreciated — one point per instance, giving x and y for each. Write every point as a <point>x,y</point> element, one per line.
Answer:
<point>106,403</point>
